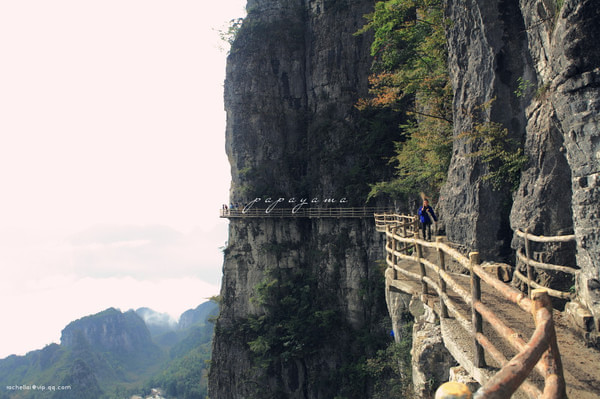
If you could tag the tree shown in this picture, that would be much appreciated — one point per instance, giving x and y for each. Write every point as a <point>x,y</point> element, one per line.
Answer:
<point>410,75</point>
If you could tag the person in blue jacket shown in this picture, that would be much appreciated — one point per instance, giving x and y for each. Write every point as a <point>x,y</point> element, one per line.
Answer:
<point>427,217</point>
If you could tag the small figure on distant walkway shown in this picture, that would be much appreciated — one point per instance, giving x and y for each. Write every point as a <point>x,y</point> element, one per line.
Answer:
<point>427,217</point>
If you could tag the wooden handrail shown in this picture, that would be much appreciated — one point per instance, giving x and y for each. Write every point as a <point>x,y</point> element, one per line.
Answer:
<point>543,340</point>
<point>551,292</point>
<point>531,264</point>
<point>548,266</point>
<point>563,238</point>
<point>512,375</point>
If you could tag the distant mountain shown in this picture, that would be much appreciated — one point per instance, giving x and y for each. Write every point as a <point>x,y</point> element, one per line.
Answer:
<point>113,355</point>
<point>110,331</point>
<point>185,376</point>
<point>200,314</point>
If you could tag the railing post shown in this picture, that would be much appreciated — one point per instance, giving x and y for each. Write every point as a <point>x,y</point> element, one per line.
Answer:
<point>476,318</point>
<point>392,231</point>
<point>405,244</point>
<point>555,381</point>
<point>527,263</point>
<point>442,265</point>
<point>397,243</point>
<point>421,267</point>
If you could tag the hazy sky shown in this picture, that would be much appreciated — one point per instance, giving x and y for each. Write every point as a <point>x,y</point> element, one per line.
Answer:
<point>112,162</point>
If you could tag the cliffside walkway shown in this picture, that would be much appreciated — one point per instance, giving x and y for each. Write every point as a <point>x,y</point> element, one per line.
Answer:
<point>301,212</point>
<point>485,325</point>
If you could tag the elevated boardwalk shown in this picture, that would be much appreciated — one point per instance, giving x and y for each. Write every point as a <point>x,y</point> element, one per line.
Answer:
<point>301,212</point>
<point>486,326</point>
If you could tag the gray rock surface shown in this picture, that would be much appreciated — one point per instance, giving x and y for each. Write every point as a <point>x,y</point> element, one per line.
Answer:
<point>294,75</point>
<point>431,361</point>
<point>487,55</point>
<point>491,45</point>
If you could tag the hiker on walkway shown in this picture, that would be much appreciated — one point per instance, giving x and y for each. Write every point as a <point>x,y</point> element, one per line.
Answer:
<point>427,216</point>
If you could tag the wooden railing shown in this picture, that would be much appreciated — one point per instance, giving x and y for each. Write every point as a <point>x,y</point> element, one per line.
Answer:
<point>409,223</point>
<point>301,212</point>
<point>541,352</point>
<point>530,264</point>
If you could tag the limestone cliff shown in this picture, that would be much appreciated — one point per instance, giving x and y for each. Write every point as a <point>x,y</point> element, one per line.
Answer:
<point>493,47</point>
<point>294,74</point>
<point>111,331</point>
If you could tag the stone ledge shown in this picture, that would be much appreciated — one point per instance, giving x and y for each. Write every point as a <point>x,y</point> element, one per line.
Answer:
<point>460,345</point>
<point>579,316</point>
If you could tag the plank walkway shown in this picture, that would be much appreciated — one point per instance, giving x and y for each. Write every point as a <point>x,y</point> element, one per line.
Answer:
<point>581,364</point>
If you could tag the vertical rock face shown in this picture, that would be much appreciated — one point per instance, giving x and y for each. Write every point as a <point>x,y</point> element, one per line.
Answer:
<point>549,45</point>
<point>431,361</point>
<point>487,55</point>
<point>339,257</point>
<point>574,82</point>
<point>294,74</point>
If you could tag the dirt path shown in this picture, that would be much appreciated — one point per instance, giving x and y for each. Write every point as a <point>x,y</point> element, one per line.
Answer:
<point>581,364</point>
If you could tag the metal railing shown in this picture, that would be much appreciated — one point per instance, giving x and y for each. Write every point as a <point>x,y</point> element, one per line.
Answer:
<point>303,212</point>
<point>541,352</point>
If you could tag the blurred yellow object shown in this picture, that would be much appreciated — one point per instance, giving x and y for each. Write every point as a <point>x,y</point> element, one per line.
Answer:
<point>453,390</point>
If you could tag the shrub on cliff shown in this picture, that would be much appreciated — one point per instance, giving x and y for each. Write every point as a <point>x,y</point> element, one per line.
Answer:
<point>410,75</point>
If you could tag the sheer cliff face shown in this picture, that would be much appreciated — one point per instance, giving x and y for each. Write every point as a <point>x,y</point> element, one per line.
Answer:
<point>487,54</point>
<point>492,44</point>
<point>294,74</point>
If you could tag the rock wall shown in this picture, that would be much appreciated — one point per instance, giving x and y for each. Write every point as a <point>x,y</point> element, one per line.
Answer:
<point>431,361</point>
<point>294,74</point>
<point>487,55</point>
<point>573,76</point>
<point>340,256</point>
<point>549,45</point>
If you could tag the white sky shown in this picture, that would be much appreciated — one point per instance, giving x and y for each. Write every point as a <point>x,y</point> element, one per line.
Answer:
<point>112,160</point>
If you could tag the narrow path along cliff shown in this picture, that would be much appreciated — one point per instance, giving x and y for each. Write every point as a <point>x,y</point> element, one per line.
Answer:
<point>581,364</point>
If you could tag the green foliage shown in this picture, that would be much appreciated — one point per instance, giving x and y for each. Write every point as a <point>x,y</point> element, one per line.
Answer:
<point>230,34</point>
<point>391,368</point>
<point>523,87</point>
<point>410,75</point>
<point>503,155</point>
<point>421,162</point>
<point>410,53</point>
<point>542,91</point>
<point>296,322</point>
<point>301,324</point>
<point>185,377</point>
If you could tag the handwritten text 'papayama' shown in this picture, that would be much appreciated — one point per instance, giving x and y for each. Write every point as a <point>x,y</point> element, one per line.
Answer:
<point>298,203</point>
